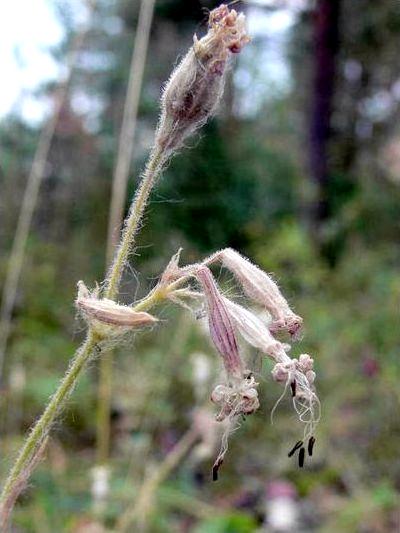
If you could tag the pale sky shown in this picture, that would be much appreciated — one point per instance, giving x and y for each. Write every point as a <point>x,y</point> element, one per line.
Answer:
<point>29,27</point>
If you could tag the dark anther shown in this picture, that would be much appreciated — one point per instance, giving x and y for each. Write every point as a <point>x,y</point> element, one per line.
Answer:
<point>298,445</point>
<point>215,468</point>
<point>293,387</point>
<point>311,443</point>
<point>97,349</point>
<point>301,457</point>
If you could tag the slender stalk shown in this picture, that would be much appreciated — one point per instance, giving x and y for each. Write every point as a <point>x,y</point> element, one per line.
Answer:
<point>132,223</point>
<point>120,180</point>
<point>87,349</point>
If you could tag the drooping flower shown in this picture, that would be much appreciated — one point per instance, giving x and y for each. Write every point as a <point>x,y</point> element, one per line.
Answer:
<point>254,331</point>
<point>220,324</point>
<point>262,289</point>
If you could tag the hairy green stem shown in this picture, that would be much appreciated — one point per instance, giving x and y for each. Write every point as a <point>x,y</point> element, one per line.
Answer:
<point>43,425</point>
<point>132,224</point>
<point>131,228</point>
<point>88,349</point>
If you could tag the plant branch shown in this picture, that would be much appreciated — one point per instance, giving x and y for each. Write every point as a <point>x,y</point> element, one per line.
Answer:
<point>120,180</point>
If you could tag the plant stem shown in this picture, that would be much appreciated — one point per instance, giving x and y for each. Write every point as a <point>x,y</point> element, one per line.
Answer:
<point>132,224</point>
<point>87,349</point>
<point>118,197</point>
<point>43,425</point>
<point>128,127</point>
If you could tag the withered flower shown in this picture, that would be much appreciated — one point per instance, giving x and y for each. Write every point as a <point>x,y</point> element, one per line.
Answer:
<point>220,324</point>
<point>108,318</point>
<point>262,289</point>
<point>254,331</point>
<point>194,90</point>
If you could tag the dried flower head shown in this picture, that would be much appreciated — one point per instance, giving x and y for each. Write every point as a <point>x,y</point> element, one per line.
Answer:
<point>238,397</point>
<point>107,318</point>
<point>235,400</point>
<point>195,87</point>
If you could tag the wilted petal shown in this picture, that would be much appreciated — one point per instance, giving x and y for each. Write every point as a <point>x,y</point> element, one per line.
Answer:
<point>221,327</point>
<point>254,331</point>
<point>262,289</point>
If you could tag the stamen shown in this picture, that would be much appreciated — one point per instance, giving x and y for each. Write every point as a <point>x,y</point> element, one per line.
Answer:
<point>301,457</point>
<point>298,445</point>
<point>215,468</point>
<point>311,443</point>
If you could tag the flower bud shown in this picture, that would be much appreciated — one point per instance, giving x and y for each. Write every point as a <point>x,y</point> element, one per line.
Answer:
<point>220,325</point>
<point>108,318</point>
<point>196,85</point>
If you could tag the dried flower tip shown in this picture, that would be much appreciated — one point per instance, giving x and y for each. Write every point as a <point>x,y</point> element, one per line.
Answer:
<point>310,375</point>
<point>196,85</point>
<point>261,288</point>
<point>238,399</point>
<point>284,372</point>
<point>172,270</point>
<point>220,325</point>
<point>291,323</point>
<point>254,331</point>
<point>305,399</point>
<point>107,317</point>
<point>280,373</point>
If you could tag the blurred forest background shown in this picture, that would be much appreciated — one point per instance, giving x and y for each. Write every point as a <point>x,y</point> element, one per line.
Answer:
<point>300,171</point>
